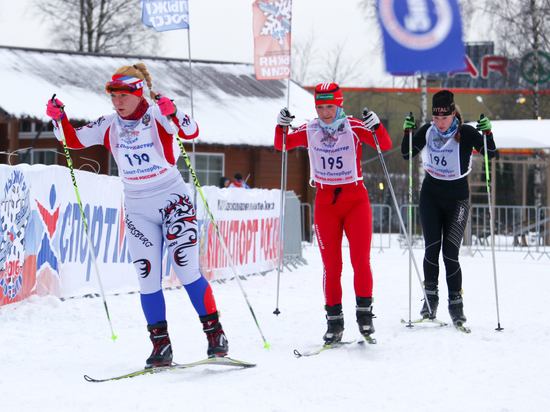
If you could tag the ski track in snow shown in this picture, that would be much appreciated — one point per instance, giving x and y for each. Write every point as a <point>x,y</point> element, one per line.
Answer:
<point>48,345</point>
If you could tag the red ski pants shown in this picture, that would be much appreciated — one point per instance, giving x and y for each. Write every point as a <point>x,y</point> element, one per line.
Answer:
<point>331,220</point>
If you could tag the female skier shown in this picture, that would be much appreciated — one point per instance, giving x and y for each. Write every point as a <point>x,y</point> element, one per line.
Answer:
<point>342,202</point>
<point>157,204</point>
<point>444,197</point>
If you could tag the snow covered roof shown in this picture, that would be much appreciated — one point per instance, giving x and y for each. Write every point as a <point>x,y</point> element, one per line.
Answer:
<point>229,104</point>
<point>521,134</point>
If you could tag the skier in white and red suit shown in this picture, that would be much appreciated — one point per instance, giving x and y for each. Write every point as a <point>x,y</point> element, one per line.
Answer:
<point>157,204</point>
<point>341,202</point>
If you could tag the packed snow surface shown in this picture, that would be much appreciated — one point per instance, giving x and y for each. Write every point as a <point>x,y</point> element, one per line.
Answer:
<point>48,345</point>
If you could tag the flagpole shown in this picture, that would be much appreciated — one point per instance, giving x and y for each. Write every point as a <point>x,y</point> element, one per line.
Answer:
<point>284,168</point>
<point>193,163</point>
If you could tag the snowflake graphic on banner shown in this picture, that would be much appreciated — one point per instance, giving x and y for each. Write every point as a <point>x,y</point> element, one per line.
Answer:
<point>279,15</point>
<point>14,216</point>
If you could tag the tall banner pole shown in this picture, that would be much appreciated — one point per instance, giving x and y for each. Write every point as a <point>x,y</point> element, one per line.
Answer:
<point>272,52</point>
<point>193,162</point>
<point>172,15</point>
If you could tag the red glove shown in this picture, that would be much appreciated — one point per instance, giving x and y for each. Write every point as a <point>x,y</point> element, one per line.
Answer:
<point>166,106</point>
<point>55,111</point>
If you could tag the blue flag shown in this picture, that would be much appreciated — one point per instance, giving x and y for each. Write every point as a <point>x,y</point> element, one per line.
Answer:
<point>165,15</point>
<point>421,35</point>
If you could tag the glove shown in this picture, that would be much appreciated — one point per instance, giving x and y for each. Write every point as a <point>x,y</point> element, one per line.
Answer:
<point>166,106</point>
<point>409,123</point>
<point>483,124</point>
<point>370,119</point>
<point>284,118</point>
<point>55,111</point>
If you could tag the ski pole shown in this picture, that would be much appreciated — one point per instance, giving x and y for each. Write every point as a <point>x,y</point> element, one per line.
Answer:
<point>281,217</point>
<point>92,253</point>
<point>222,242</point>
<point>410,220</point>
<point>381,156</point>
<point>491,223</point>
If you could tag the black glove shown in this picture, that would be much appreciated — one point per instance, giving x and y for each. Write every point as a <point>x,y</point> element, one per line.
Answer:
<point>284,118</point>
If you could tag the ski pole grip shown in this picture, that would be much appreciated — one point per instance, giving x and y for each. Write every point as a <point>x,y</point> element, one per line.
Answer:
<point>53,100</point>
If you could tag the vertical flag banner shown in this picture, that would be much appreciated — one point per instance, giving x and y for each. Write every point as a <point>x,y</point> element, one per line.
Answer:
<point>165,15</point>
<point>421,35</point>
<point>272,26</point>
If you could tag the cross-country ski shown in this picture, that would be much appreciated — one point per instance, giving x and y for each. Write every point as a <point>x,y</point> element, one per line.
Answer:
<point>218,361</point>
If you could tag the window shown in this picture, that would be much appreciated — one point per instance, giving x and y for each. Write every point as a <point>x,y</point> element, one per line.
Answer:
<point>113,168</point>
<point>42,157</point>
<point>208,168</point>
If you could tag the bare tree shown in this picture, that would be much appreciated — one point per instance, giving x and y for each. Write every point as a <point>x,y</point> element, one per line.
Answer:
<point>523,27</point>
<point>302,59</point>
<point>337,68</point>
<point>98,26</point>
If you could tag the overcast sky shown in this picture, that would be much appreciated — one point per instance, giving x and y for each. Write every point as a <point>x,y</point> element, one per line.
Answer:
<point>221,30</point>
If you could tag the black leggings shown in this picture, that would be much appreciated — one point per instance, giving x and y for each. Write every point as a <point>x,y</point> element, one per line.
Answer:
<point>443,221</point>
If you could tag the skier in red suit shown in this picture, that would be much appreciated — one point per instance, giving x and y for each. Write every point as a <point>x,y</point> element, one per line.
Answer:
<point>342,202</point>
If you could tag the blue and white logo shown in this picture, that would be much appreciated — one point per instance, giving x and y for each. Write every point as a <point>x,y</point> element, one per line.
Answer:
<point>421,35</point>
<point>416,26</point>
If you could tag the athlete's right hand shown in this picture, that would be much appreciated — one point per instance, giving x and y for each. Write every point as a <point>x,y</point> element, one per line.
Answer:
<point>284,118</point>
<point>55,111</point>
<point>409,124</point>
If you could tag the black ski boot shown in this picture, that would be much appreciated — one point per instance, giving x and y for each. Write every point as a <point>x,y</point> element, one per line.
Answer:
<point>217,341</point>
<point>433,300</point>
<point>162,348</point>
<point>364,316</point>
<point>456,308</point>
<point>335,322</point>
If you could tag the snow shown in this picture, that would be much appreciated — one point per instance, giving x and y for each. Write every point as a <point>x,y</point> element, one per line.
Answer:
<point>521,134</point>
<point>230,106</point>
<point>48,345</point>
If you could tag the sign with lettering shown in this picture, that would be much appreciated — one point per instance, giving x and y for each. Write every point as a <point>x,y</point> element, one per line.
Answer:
<point>272,27</point>
<point>165,15</point>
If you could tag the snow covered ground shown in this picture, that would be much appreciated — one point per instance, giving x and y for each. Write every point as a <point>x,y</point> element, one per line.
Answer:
<point>48,345</point>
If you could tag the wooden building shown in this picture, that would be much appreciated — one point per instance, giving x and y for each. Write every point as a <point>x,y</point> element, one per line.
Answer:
<point>236,113</point>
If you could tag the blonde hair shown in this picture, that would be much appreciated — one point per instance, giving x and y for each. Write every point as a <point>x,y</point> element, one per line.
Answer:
<point>138,70</point>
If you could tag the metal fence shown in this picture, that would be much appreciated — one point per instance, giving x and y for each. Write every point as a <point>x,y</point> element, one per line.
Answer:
<point>517,229</point>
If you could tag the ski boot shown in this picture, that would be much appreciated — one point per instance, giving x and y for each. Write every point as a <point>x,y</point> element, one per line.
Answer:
<point>433,300</point>
<point>217,341</point>
<point>335,322</point>
<point>364,316</point>
<point>162,348</point>
<point>456,308</point>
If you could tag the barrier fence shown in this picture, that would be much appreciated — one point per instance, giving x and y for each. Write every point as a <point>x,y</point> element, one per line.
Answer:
<point>517,229</point>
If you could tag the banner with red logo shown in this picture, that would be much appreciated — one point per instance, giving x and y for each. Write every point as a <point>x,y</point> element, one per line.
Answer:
<point>248,221</point>
<point>272,27</point>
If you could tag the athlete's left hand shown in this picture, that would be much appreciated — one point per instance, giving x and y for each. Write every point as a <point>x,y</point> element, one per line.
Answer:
<point>166,106</point>
<point>483,124</point>
<point>370,119</point>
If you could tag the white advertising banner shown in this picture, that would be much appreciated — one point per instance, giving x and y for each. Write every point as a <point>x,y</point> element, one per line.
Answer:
<point>44,249</point>
<point>248,221</point>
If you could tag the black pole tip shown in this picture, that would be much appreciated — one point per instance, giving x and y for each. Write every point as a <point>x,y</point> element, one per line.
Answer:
<point>276,312</point>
